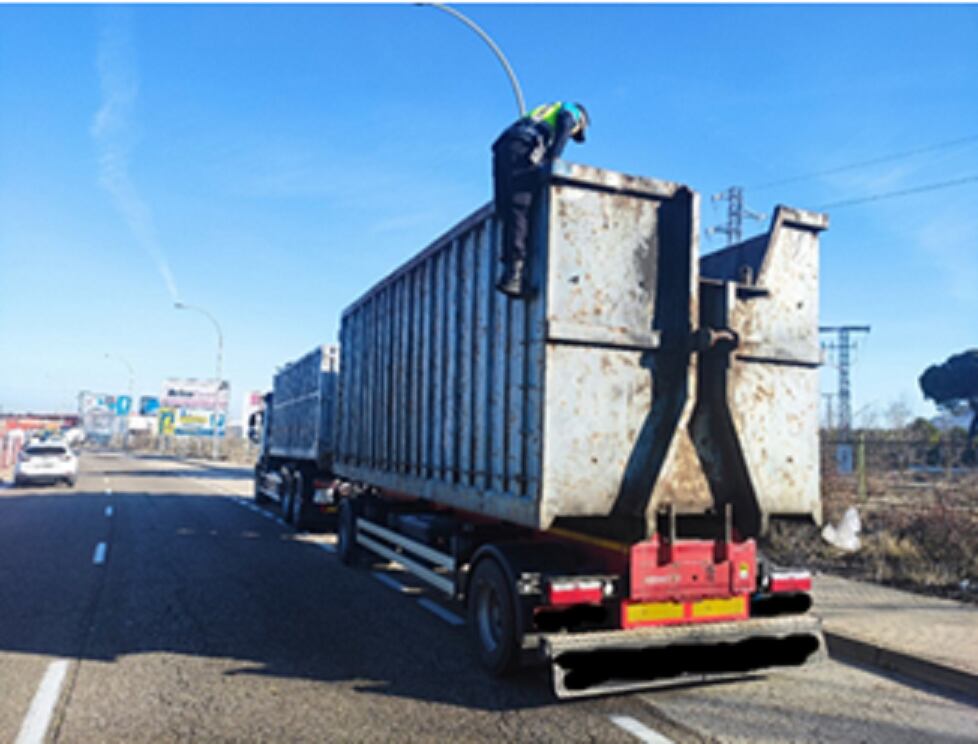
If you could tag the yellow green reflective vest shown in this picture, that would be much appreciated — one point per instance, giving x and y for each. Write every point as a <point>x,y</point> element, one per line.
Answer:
<point>546,113</point>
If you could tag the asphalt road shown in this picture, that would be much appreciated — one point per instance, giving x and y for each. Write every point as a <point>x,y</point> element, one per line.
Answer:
<point>203,617</point>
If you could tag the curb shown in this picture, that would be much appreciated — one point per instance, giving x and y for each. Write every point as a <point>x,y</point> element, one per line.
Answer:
<point>947,679</point>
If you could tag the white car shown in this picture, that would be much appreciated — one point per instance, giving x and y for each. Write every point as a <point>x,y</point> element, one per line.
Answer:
<point>46,462</point>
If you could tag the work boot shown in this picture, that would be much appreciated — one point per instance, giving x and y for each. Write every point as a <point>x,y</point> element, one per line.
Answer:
<point>513,281</point>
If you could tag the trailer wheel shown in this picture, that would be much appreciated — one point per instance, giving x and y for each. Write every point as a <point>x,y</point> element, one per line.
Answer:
<point>288,485</point>
<point>260,497</point>
<point>346,534</point>
<point>492,618</point>
<point>297,511</point>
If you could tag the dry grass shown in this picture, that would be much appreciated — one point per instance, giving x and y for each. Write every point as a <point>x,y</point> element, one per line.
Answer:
<point>920,532</point>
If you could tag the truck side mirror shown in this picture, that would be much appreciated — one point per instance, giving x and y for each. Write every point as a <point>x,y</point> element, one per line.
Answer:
<point>254,428</point>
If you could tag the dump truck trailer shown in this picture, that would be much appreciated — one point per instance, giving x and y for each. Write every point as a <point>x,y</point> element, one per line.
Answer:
<point>294,465</point>
<point>589,469</point>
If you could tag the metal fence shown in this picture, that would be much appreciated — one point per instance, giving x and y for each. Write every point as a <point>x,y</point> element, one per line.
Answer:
<point>236,450</point>
<point>886,452</point>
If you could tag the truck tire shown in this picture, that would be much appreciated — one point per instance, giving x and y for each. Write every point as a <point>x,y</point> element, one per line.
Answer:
<point>492,618</point>
<point>298,515</point>
<point>346,535</point>
<point>285,505</point>
<point>259,496</point>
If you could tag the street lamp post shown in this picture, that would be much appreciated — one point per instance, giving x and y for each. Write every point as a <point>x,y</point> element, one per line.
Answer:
<point>517,91</point>
<point>220,359</point>
<point>125,434</point>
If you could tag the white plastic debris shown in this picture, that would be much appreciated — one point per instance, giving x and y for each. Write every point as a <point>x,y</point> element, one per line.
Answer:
<point>846,535</point>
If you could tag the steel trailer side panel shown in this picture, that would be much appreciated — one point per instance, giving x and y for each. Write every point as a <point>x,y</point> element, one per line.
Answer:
<point>770,299</point>
<point>622,292</point>
<point>624,384</point>
<point>478,410</point>
<point>303,408</point>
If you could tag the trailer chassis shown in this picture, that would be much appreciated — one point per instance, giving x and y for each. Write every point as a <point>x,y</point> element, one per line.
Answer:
<point>540,598</point>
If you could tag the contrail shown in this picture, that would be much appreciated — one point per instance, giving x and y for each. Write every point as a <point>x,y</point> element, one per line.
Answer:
<point>113,136</point>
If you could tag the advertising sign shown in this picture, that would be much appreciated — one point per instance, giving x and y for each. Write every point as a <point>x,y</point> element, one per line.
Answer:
<point>123,405</point>
<point>191,422</point>
<point>191,393</point>
<point>98,414</point>
<point>148,405</point>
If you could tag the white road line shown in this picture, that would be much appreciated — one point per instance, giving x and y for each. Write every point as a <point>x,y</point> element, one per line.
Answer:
<point>99,557</point>
<point>449,617</point>
<point>35,725</point>
<point>397,586</point>
<point>639,730</point>
<point>108,511</point>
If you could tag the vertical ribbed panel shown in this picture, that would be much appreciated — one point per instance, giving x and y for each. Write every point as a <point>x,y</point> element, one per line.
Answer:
<point>303,407</point>
<point>438,373</point>
<point>533,409</point>
<point>466,376</point>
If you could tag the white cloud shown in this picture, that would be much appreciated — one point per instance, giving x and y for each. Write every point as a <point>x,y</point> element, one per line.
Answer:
<point>112,131</point>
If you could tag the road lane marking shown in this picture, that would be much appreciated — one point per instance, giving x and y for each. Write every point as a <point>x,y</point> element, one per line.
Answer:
<point>639,730</point>
<point>99,557</point>
<point>108,511</point>
<point>449,617</point>
<point>38,718</point>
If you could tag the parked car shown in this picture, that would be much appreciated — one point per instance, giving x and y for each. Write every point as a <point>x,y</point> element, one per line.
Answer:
<point>46,462</point>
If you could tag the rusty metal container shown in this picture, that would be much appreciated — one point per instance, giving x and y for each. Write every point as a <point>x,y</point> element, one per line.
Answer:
<point>579,407</point>
<point>302,411</point>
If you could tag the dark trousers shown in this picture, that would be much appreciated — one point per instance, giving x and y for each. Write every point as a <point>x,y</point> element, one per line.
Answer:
<point>515,182</point>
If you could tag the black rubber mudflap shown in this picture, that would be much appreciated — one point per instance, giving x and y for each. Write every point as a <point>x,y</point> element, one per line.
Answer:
<point>590,664</point>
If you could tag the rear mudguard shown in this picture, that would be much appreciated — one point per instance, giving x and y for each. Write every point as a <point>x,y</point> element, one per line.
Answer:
<point>603,662</point>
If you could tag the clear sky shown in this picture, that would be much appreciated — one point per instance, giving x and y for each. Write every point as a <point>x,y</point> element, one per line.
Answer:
<point>271,163</point>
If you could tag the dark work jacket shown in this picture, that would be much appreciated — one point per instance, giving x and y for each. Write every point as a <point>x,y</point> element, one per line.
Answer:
<point>543,143</point>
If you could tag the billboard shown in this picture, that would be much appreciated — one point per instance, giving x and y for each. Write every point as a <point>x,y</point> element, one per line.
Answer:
<point>210,394</point>
<point>98,412</point>
<point>148,405</point>
<point>191,422</point>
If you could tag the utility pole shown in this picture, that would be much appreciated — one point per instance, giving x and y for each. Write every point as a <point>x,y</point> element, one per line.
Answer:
<point>829,419</point>
<point>514,83</point>
<point>736,212</point>
<point>132,375</point>
<point>843,346</point>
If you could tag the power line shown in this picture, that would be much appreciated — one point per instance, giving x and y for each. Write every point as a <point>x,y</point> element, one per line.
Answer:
<point>871,161</point>
<point>901,192</point>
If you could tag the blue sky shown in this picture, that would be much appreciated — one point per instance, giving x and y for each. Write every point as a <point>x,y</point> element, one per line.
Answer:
<point>271,163</point>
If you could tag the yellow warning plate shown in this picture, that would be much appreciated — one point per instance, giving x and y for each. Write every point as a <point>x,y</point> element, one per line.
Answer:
<point>649,612</point>
<point>734,606</point>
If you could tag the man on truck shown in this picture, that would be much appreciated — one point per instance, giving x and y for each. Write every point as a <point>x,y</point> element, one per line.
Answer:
<point>519,157</point>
